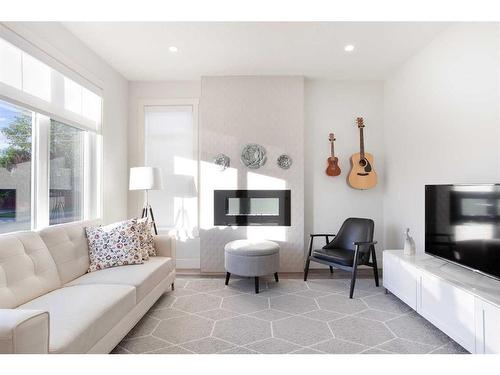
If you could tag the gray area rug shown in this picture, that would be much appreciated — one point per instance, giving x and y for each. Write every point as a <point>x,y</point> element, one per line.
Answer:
<point>315,317</point>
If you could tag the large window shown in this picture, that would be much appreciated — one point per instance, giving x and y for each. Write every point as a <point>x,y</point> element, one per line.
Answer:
<point>15,168</point>
<point>50,124</point>
<point>58,172</point>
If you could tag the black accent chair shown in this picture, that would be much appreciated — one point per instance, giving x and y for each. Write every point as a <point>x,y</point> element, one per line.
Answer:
<point>350,248</point>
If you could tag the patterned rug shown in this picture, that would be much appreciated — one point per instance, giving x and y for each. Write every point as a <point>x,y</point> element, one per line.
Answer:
<point>202,315</point>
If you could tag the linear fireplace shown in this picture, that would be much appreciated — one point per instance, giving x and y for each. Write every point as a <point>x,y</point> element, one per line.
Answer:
<point>252,207</point>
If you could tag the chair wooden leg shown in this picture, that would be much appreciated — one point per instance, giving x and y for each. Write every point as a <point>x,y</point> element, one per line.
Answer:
<point>331,269</point>
<point>256,285</point>
<point>306,269</point>
<point>228,275</point>
<point>375,267</point>
<point>353,279</point>
<point>276,277</point>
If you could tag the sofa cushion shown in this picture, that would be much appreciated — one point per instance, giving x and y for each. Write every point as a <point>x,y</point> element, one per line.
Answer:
<point>114,245</point>
<point>144,277</point>
<point>68,245</point>
<point>81,315</point>
<point>27,269</point>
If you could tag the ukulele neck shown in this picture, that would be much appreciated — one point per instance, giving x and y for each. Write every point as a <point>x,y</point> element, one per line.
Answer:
<point>361,144</point>
<point>332,149</point>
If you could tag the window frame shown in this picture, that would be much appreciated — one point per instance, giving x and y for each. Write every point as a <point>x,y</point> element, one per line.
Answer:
<point>40,169</point>
<point>141,139</point>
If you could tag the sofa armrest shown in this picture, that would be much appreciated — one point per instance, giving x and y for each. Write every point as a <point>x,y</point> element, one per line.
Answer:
<point>164,246</point>
<point>24,331</point>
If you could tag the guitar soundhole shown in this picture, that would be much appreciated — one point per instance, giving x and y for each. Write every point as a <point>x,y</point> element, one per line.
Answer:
<point>362,162</point>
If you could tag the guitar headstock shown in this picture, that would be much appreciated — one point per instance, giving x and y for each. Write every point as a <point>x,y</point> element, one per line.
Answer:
<point>331,137</point>
<point>359,120</point>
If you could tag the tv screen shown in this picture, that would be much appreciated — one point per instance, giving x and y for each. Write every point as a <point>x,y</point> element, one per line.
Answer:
<point>462,225</point>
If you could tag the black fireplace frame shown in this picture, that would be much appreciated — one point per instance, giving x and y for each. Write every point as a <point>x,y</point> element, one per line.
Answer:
<point>221,208</point>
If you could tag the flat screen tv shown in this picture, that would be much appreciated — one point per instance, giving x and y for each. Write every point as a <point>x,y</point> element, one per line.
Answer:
<point>462,225</point>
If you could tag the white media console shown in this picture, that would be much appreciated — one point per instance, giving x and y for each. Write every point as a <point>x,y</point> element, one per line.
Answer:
<point>462,303</point>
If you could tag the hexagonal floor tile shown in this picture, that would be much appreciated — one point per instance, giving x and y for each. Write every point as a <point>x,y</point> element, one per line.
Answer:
<point>167,313</point>
<point>218,314</point>
<point>301,331</point>
<point>144,327</point>
<point>205,285</point>
<point>450,348</point>
<point>307,351</point>
<point>239,350</point>
<point>143,344</point>
<point>336,346</point>
<point>246,285</point>
<point>341,304</point>
<point>274,346</point>
<point>208,345</point>
<point>196,303</point>
<point>323,315</point>
<point>245,303</point>
<point>242,330</point>
<point>381,316</point>
<point>293,304</point>
<point>361,331</point>
<point>270,315</point>
<point>184,328</point>
<point>388,303</point>
<point>415,328</point>
<point>287,285</point>
<point>402,346</point>
<point>329,285</point>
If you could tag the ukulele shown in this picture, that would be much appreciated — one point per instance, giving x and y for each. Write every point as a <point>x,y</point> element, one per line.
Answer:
<point>333,168</point>
<point>362,175</point>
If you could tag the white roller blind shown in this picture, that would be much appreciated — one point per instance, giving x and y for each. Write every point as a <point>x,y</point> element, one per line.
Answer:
<point>28,81</point>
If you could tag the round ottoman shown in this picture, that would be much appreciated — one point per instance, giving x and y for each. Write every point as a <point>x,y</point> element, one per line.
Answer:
<point>252,259</point>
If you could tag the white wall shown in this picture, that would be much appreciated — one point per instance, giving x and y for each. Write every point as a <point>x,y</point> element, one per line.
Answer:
<point>58,42</point>
<point>332,106</point>
<point>442,124</point>
<point>235,111</point>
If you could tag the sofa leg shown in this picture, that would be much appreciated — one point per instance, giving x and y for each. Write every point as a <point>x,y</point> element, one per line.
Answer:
<point>256,285</point>
<point>331,269</point>
<point>173,286</point>
<point>276,277</point>
<point>228,275</point>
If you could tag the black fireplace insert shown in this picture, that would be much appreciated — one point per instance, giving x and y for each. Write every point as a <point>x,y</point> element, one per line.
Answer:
<point>252,207</point>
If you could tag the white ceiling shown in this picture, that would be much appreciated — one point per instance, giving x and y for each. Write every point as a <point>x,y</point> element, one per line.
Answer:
<point>139,50</point>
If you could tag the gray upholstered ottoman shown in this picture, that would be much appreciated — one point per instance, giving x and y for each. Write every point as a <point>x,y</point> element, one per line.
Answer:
<point>252,259</point>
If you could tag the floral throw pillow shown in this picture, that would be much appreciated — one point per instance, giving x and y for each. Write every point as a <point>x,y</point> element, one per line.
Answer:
<point>113,245</point>
<point>146,238</point>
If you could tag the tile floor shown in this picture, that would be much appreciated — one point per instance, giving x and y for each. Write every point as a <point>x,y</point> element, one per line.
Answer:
<point>202,315</point>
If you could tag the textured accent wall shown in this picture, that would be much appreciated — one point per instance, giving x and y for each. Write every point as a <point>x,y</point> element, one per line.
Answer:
<point>235,111</point>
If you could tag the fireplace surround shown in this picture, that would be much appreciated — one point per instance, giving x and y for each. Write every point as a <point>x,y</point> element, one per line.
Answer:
<point>252,207</point>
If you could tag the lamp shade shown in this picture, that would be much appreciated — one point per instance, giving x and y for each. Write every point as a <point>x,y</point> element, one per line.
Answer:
<point>145,178</point>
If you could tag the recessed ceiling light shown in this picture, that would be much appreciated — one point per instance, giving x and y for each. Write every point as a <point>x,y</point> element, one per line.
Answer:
<point>349,48</point>
<point>173,49</point>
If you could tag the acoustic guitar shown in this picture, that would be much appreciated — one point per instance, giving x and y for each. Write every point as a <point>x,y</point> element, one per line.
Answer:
<point>362,175</point>
<point>333,168</point>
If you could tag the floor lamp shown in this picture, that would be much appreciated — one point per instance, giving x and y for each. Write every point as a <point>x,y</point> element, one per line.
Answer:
<point>146,178</point>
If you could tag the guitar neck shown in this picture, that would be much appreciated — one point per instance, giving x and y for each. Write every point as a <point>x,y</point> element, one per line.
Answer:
<point>361,143</point>
<point>332,149</point>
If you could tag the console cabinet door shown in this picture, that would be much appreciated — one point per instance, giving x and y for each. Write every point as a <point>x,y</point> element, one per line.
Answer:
<point>487,328</point>
<point>449,308</point>
<point>400,278</point>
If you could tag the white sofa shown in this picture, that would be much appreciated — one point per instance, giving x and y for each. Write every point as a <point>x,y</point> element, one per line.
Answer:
<point>49,304</point>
